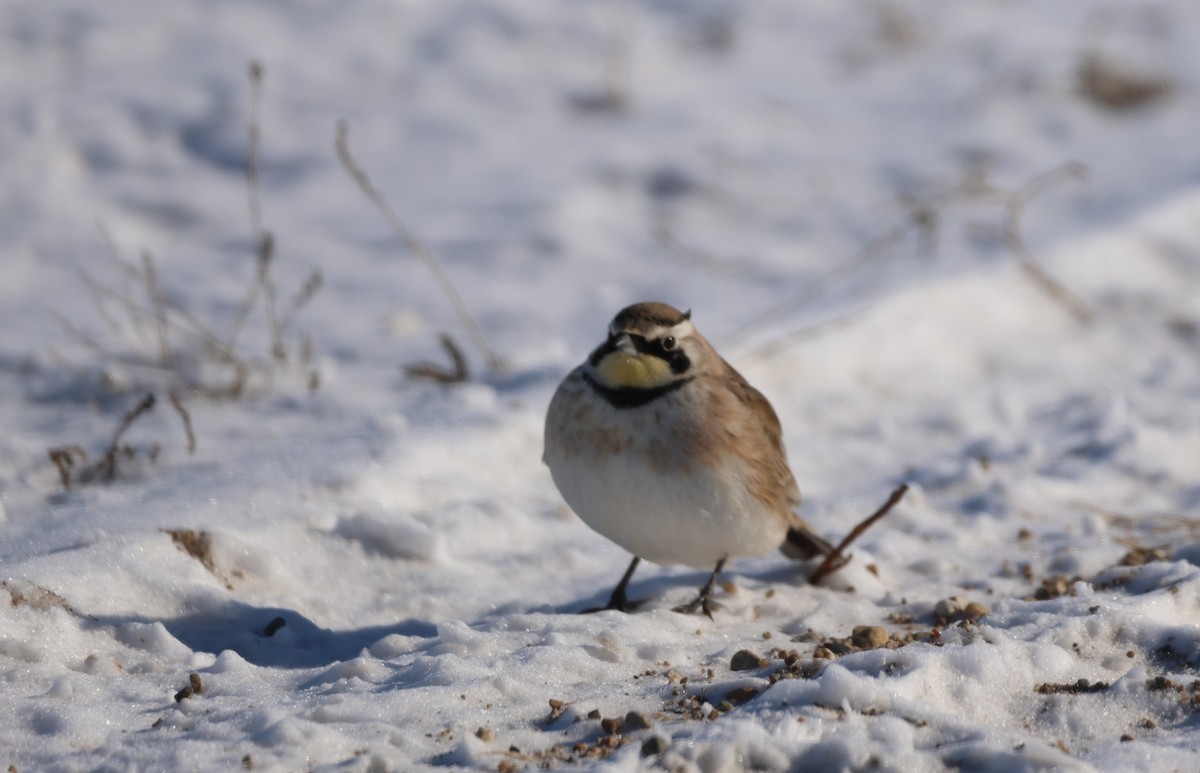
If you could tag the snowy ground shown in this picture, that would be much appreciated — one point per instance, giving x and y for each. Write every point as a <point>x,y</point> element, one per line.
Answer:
<point>377,574</point>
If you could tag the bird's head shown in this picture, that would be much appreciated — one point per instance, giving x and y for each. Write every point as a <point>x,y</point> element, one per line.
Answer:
<point>649,345</point>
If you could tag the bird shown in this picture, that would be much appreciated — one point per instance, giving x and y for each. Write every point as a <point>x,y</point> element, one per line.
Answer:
<point>660,445</point>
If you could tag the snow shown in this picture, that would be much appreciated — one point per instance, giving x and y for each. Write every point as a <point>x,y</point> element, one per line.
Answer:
<point>378,574</point>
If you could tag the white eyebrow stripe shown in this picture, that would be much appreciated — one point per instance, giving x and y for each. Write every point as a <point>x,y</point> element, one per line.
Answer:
<point>683,329</point>
<point>680,330</point>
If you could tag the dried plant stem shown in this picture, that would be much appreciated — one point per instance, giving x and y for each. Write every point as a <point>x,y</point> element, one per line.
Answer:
<point>618,68</point>
<point>146,404</point>
<point>413,244</point>
<point>148,326</point>
<point>254,132</point>
<point>265,255</point>
<point>816,330</point>
<point>158,304</point>
<point>187,421</point>
<point>299,301</point>
<point>110,456</point>
<point>1014,208</point>
<point>835,560</point>
<point>921,215</point>
<point>180,318</point>
<point>693,256</point>
<point>64,459</point>
<point>456,374</point>
<point>124,272</point>
<point>263,242</point>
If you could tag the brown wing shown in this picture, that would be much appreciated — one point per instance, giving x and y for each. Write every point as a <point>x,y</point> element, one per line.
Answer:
<point>773,475</point>
<point>773,461</point>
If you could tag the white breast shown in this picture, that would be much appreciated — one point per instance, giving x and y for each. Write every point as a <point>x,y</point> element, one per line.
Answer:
<point>609,466</point>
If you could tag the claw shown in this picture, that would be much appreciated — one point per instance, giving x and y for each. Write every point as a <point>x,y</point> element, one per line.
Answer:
<point>700,603</point>
<point>703,602</point>
<point>618,600</point>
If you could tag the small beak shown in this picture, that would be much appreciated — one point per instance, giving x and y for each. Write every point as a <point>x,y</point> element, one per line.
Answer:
<point>625,344</point>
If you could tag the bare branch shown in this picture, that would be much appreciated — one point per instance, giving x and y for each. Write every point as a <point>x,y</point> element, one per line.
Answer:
<point>803,334</point>
<point>693,256</point>
<point>154,293</point>
<point>64,460</point>
<point>428,370</point>
<point>187,421</point>
<point>431,262</point>
<point>146,404</point>
<point>265,255</point>
<point>139,315</point>
<point>254,146</point>
<point>835,560</point>
<point>1014,208</point>
<point>301,299</point>
<point>918,217</point>
<point>618,68</point>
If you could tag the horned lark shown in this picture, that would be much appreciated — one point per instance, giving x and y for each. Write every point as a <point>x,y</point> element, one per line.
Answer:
<point>657,443</point>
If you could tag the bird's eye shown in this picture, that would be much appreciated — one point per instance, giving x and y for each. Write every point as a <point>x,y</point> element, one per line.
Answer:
<point>668,343</point>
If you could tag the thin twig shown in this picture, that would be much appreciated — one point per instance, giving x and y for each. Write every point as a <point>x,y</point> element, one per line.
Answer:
<point>618,69</point>
<point>266,254</point>
<point>147,327</point>
<point>694,256</point>
<point>110,456</point>
<point>64,460</point>
<point>123,268</point>
<point>124,271</point>
<point>139,314</point>
<point>158,304</point>
<point>457,374</point>
<point>301,299</point>
<point>254,199</point>
<point>146,404</point>
<point>431,262</point>
<point>254,133</point>
<point>918,217</point>
<point>1014,208</point>
<point>187,421</point>
<point>769,348</point>
<point>834,560</point>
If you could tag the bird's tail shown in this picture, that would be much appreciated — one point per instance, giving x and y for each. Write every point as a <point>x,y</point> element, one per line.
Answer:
<point>802,542</point>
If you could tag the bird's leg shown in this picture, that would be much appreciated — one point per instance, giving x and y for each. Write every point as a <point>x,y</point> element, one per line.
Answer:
<point>702,602</point>
<point>619,601</point>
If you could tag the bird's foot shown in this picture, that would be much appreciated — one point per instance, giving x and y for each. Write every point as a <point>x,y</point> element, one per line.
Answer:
<point>620,603</point>
<point>701,603</point>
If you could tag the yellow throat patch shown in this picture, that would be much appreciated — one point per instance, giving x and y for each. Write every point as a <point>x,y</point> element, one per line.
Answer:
<point>619,369</point>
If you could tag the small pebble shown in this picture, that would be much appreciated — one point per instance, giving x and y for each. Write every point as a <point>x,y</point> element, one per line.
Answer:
<point>868,637</point>
<point>612,725</point>
<point>653,745</point>
<point>975,610</point>
<point>745,660</point>
<point>636,720</point>
<point>741,694</point>
<point>948,609</point>
<point>485,734</point>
